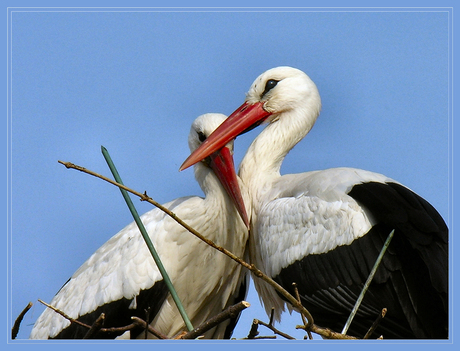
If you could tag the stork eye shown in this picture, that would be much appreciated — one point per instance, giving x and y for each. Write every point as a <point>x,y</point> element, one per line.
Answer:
<point>271,83</point>
<point>201,136</point>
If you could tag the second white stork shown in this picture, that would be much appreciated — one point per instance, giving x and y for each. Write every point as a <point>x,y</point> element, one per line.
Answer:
<point>122,280</point>
<point>324,229</point>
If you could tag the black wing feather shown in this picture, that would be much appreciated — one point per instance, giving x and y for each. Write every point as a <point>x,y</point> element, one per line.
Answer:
<point>118,314</point>
<point>411,282</point>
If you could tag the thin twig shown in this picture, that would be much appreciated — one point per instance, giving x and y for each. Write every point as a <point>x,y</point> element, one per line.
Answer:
<point>96,327</point>
<point>230,312</point>
<point>119,330</point>
<point>258,273</point>
<point>326,333</point>
<point>376,323</point>
<point>265,337</point>
<point>253,332</point>
<point>17,322</point>
<point>272,316</point>
<point>273,329</point>
<point>143,324</point>
<point>147,318</point>
<point>70,319</point>
<point>304,320</point>
<point>115,330</point>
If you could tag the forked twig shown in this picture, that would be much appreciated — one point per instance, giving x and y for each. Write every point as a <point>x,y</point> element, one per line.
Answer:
<point>304,320</point>
<point>273,329</point>
<point>143,324</point>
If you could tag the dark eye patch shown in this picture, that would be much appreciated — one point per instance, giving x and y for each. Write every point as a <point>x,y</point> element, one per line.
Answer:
<point>201,136</point>
<point>271,83</point>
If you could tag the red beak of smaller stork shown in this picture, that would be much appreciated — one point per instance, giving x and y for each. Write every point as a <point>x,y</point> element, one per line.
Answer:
<point>221,162</point>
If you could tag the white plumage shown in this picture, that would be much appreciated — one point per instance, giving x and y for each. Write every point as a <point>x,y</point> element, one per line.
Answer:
<point>206,281</point>
<point>324,229</point>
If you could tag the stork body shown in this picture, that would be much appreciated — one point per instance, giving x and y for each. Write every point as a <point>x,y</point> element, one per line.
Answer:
<point>323,230</point>
<point>122,280</point>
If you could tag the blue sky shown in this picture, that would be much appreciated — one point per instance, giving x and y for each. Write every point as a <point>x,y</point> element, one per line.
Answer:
<point>134,80</point>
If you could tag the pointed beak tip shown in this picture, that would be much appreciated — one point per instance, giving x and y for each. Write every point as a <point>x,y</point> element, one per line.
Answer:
<point>243,215</point>
<point>246,222</point>
<point>186,164</point>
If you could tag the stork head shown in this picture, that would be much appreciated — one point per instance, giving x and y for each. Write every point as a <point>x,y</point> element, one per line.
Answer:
<point>275,92</point>
<point>221,160</point>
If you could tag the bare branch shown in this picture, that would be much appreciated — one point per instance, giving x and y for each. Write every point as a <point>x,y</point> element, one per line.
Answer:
<point>17,322</point>
<point>141,323</point>
<point>376,323</point>
<point>305,323</point>
<point>96,327</point>
<point>273,329</point>
<point>324,332</point>
<point>230,312</point>
<point>309,325</point>
<point>265,337</point>
<point>147,318</point>
<point>272,316</point>
<point>327,333</point>
<point>258,273</point>
<point>117,330</point>
<point>253,332</point>
<point>70,319</point>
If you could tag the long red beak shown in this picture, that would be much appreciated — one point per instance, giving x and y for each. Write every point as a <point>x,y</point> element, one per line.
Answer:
<point>222,164</point>
<point>244,118</point>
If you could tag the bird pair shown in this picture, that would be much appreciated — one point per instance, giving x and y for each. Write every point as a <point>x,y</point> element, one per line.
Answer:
<point>322,230</point>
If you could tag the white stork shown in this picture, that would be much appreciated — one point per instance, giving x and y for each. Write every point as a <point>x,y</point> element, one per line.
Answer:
<point>324,229</point>
<point>122,280</point>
